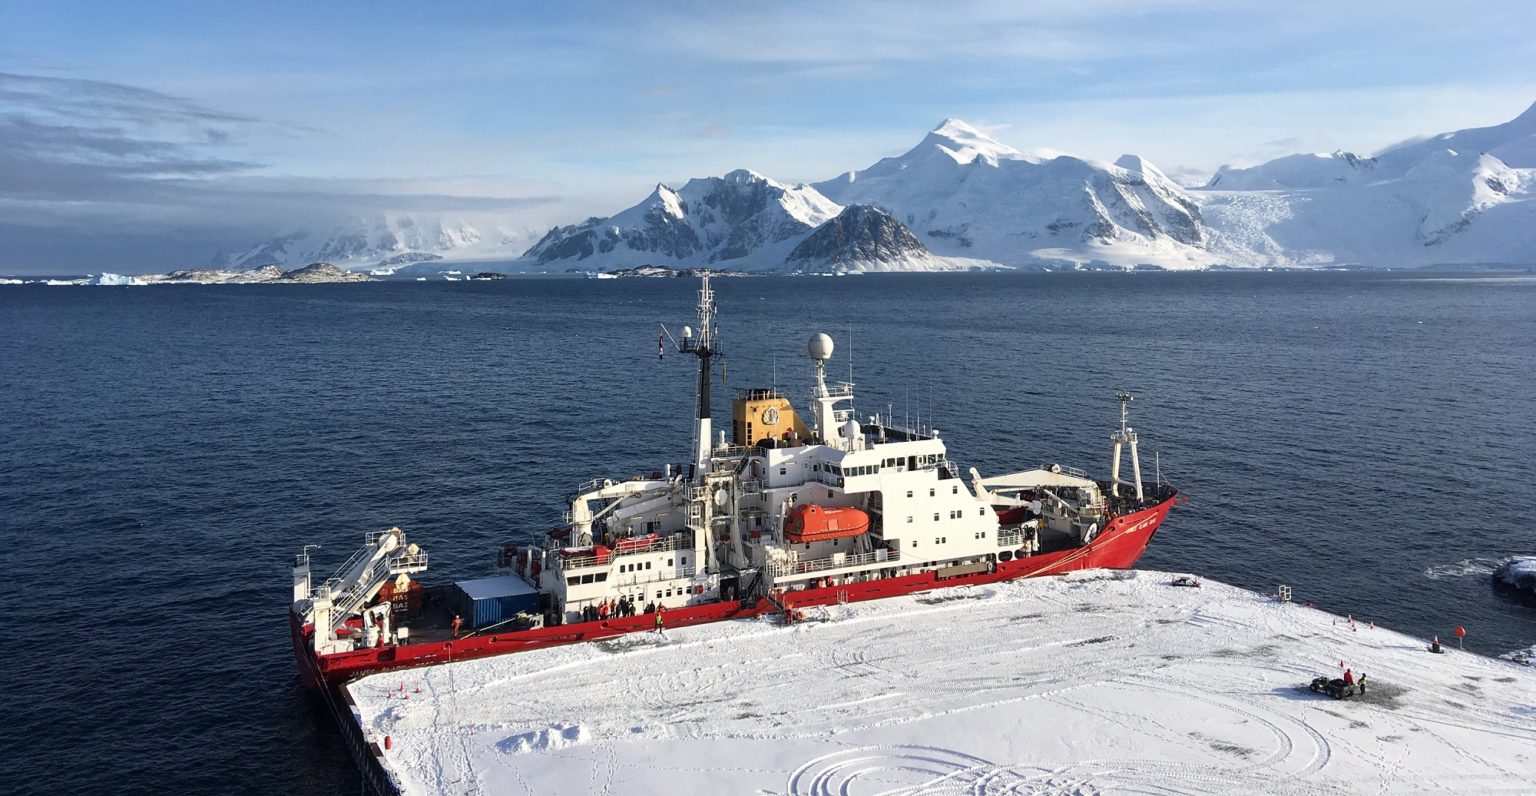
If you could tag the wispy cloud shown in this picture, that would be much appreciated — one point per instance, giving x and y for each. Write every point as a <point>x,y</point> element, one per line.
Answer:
<point>70,139</point>
<point>870,32</point>
<point>124,163</point>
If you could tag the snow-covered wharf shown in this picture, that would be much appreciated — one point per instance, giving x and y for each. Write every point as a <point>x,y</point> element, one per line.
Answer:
<point>1094,682</point>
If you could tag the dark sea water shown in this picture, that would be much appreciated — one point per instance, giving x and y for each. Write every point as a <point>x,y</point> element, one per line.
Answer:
<point>1366,439</point>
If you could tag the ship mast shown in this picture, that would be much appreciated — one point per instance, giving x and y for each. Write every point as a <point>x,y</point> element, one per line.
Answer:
<point>1126,434</point>
<point>705,349</point>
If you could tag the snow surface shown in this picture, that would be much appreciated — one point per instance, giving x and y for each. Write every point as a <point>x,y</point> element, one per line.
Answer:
<point>1088,683</point>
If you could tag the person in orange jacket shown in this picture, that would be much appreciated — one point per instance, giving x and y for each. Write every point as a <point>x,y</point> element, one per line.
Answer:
<point>457,623</point>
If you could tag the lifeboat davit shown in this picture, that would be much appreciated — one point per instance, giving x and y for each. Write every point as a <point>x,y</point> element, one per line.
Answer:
<point>811,523</point>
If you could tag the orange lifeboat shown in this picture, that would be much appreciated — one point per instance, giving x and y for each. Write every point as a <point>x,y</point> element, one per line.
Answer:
<point>811,523</point>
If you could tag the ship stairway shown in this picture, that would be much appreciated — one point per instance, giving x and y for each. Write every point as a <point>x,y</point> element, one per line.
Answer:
<point>753,591</point>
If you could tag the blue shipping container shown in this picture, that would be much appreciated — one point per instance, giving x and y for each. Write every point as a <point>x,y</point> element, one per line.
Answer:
<point>486,601</point>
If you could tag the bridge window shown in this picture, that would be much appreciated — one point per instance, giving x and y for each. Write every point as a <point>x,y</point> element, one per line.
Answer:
<point>669,562</point>
<point>647,565</point>
<point>954,490</point>
<point>981,512</point>
<point>602,576</point>
<point>572,581</point>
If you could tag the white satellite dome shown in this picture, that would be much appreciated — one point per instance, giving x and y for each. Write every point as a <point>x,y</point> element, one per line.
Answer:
<point>852,429</point>
<point>687,332</point>
<point>820,347</point>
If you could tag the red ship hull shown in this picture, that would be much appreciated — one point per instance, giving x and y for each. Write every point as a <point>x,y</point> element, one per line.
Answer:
<point>1118,546</point>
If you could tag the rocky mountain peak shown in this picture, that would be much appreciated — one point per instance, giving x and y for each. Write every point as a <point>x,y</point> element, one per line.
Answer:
<point>862,237</point>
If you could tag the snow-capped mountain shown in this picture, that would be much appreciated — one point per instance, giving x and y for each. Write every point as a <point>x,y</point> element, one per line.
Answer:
<point>1444,200</point>
<point>960,198</point>
<point>959,194</point>
<point>387,240</point>
<point>965,194</point>
<point>742,218</point>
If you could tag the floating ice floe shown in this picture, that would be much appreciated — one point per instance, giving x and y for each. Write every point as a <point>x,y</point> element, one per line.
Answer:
<point>1518,577</point>
<point>1097,682</point>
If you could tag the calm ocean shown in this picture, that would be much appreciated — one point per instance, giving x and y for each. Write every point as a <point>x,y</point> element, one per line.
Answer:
<point>164,451</point>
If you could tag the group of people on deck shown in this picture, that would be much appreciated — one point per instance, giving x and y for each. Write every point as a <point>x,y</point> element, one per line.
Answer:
<point>613,609</point>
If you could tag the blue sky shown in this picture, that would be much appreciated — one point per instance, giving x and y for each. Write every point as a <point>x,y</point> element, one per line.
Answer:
<point>170,129</point>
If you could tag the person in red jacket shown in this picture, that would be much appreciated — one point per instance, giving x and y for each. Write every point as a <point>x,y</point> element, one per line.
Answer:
<point>1349,677</point>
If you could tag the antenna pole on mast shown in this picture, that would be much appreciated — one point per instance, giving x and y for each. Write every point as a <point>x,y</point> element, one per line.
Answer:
<point>1125,436</point>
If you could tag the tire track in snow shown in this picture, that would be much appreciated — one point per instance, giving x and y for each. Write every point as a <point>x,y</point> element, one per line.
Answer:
<point>1322,751</point>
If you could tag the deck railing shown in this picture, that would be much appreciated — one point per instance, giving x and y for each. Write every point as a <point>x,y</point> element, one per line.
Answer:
<point>834,562</point>
<point>654,576</point>
<point>662,545</point>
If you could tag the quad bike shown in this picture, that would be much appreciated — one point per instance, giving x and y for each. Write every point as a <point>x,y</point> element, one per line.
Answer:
<point>1336,688</point>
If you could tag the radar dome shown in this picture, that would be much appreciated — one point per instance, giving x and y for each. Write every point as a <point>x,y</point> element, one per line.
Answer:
<point>820,347</point>
<point>687,332</point>
<point>852,429</point>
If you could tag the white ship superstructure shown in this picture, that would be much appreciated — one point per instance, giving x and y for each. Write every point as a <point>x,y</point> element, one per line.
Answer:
<point>792,502</point>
